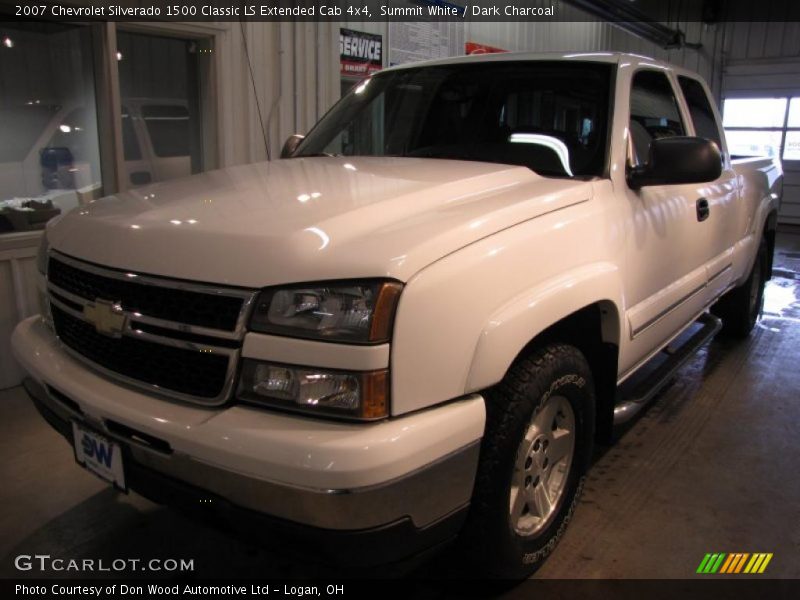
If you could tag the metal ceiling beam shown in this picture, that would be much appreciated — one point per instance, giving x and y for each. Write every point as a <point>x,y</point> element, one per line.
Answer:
<point>632,19</point>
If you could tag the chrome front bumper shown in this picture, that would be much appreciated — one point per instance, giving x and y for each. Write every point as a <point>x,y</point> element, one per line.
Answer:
<point>424,496</point>
<point>326,475</point>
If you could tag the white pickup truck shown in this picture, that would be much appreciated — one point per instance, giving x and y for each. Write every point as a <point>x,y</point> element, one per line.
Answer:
<point>415,326</point>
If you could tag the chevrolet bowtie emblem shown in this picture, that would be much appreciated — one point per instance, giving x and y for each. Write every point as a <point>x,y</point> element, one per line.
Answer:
<point>107,317</point>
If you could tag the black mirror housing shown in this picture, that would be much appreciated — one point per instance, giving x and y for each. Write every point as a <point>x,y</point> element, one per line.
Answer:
<point>678,160</point>
<point>291,144</point>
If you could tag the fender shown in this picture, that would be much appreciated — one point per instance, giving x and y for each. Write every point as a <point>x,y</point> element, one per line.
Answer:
<point>515,324</point>
<point>746,249</point>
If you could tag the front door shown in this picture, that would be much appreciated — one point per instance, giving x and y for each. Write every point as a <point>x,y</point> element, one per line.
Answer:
<point>667,244</point>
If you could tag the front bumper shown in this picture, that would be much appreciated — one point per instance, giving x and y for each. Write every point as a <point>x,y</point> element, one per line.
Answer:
<point>415,472</point>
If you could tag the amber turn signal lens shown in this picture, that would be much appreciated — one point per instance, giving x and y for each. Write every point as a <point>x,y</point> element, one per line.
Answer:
<point>383,317</point>
<point>375,395</point>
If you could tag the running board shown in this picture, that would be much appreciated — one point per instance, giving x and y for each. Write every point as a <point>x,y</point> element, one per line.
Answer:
<point>637,392</point>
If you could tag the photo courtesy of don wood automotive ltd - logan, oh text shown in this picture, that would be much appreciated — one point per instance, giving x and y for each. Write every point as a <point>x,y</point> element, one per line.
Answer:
<point>400,299</point>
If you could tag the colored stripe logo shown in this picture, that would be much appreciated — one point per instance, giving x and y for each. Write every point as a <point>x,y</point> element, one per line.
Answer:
<point>735,562</point>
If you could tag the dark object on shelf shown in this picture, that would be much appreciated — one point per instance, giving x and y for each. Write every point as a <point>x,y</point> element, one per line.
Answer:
<point>13,219</point>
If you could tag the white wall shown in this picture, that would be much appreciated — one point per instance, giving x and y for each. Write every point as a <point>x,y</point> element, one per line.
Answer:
<point>18,296</point>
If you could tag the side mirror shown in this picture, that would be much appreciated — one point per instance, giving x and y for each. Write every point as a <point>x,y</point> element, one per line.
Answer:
<point>291,144</point>
<point>677,160</point>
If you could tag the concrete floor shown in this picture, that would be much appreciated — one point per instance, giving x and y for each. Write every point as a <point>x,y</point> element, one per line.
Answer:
<point>712,466</point>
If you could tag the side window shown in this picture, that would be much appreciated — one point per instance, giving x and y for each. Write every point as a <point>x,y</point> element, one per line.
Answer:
<point>654,112</point>
<point>700,109</point>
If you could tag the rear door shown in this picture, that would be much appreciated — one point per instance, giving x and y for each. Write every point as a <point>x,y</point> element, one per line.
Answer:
<point>724,225</point>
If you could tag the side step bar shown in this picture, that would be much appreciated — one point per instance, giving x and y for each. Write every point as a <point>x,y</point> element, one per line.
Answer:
<point>634,396</point>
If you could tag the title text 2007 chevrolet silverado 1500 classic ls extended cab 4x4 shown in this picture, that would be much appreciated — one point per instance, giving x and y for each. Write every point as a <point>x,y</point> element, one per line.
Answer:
<point>417,324</point>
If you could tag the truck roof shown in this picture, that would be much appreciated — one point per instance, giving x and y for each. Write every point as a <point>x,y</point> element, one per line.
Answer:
<point>606,57</point>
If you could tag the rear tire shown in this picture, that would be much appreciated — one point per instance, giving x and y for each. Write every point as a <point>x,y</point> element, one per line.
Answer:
<point>740,307</point>
<point>536,449</point>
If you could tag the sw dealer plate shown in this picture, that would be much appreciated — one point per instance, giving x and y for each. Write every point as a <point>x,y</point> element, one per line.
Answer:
<point>99,455</point>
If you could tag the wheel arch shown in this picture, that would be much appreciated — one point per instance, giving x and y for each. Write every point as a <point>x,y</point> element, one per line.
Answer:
<point>769,233</point>
<point>578,313</point>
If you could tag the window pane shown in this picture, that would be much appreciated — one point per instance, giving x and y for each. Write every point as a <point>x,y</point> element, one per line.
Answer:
<point>754,112</point>
<point>654,112</point>
<point>794,112</point>
<point>791,150</point>
<point>702,114</point>
<point>158,79</point>
<point>168,127</point>
<point>49,155</point>
<point>753,143</point>
<point>550,117</point>
<point>130,143</point>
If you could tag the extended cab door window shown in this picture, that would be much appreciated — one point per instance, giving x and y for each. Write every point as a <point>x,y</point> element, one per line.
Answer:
<point>654,113</point>
<point>705,124</point>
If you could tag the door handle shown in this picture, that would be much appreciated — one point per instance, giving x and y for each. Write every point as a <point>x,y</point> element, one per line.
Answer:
<point>703,210</point>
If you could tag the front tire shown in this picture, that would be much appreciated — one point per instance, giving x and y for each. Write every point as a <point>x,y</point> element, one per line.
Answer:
<point>739,308</point>
<point>536,449</point>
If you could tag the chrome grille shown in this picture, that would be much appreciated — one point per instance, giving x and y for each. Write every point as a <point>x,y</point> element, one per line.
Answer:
<point>199,308</point>
<point>178,338</point>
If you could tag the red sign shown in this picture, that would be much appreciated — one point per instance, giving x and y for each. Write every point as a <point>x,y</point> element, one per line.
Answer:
<point>360,53</point>
<point>476,48</point>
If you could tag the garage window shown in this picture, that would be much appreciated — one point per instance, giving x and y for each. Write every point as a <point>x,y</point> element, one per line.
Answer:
<point>159,78</point>
<point>791,148</point>
<point>59,147</point>
<point>49,155</point>
<point>763,127</point>
<point>169,129</point>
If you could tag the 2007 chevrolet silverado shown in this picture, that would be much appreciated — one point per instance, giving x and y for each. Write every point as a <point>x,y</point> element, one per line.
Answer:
<point>417,324</point>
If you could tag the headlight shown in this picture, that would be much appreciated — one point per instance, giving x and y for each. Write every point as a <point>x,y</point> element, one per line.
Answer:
<point>317,391</point>
<point>41,257</point>
<point>360,312</point>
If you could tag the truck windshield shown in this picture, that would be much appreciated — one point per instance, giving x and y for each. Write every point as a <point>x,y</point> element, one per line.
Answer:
<point>549,116</point>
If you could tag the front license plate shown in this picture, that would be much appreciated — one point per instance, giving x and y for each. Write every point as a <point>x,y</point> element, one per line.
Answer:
<point>99,454</point>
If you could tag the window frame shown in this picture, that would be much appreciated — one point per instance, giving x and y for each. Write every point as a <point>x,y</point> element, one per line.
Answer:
<point>723,143</point>
<point>209,36</point>
<point>680,102</point>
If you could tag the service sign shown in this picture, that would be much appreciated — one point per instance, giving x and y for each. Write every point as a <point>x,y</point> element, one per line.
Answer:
<point>360,53</point>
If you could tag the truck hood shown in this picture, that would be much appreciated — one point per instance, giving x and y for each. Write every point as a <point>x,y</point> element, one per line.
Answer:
<point>309,219</point>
